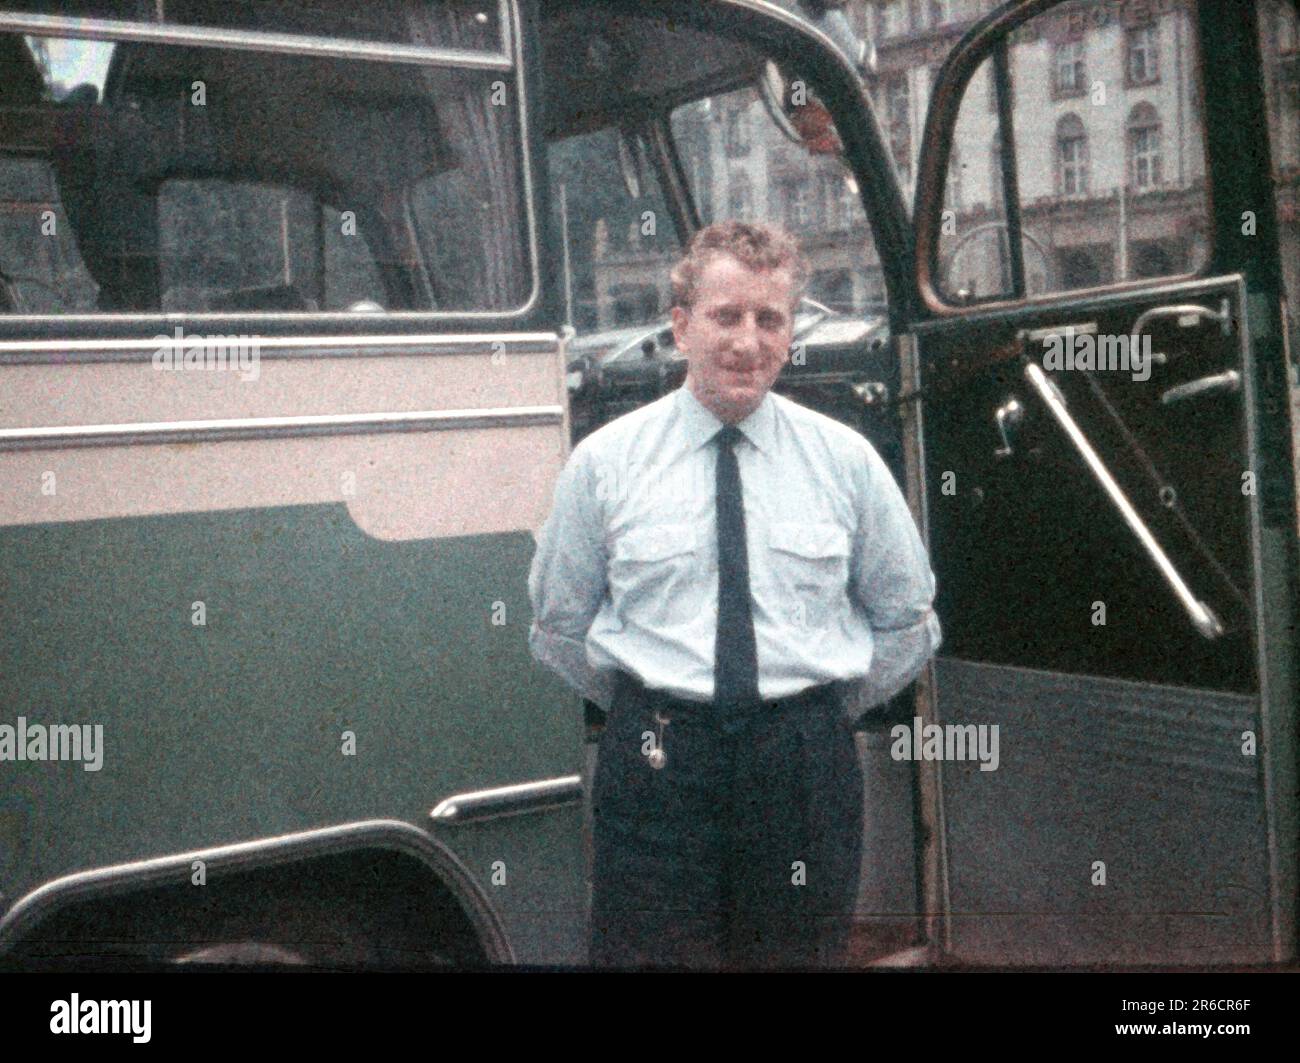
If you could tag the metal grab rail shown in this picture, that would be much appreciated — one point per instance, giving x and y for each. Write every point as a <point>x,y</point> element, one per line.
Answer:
<point>1201,615</point>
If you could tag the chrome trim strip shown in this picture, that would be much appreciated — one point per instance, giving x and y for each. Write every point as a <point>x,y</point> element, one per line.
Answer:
<point>1280,920</point>
<point>505,10</point>
<point>250,40</point>
<point>1201,615</point>
<point>392,834</point>
<point>477,805</point>
<point>514,35</point>
<point>1037,335</point>
<point>1072,304</point>
<point>827,376</point>
<point>63,352</point>
<point>226,429</point>
<point>934,894</point>
<point>511,60</point>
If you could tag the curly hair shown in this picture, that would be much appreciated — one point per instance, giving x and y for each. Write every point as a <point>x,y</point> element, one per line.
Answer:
<point>756,247</point>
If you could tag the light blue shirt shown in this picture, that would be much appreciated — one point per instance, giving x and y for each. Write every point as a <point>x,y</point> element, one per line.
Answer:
<point>626,570</point>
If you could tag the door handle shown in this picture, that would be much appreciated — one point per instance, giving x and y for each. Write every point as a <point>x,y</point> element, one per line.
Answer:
<point>1228,383</point>
<point>1187,315</point>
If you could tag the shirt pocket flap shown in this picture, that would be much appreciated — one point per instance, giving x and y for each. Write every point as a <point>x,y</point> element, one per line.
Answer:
<point>657,542</point>
<point>810,539</point>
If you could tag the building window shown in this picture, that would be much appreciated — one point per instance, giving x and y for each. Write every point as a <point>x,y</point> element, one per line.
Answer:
<point>1068,72</point>
<point>737,133</point>
<point>1071,157</point>
<point>634,304</point>
<point>1085,267</point>
<point>794,203</point>
<point>941,12</point>
<point>899,118</point>
<point>1288,153</point>
<point>893,18</point>
<point>701,186</point>
<point>1143,63</point>
<point>831,204</point>
<point>1154,260</point>
<point>1288,29</point>
<point>1144,148</point>
<point>740,197</point>
<point>850,206</point>
<point>952,187</point>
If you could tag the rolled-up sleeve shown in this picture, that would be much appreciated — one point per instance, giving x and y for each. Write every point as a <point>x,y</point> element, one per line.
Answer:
<point>894,586</point>
<point>567,583</point>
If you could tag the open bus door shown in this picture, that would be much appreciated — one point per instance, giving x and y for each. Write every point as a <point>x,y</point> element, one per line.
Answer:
<point>1114,539</point>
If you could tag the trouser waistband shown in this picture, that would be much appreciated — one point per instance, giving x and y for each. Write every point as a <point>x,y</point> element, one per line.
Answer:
<point>814,695</point>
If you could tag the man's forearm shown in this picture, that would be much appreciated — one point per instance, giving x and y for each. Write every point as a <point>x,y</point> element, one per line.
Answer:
<point>568,657</point>
<point>897,658</point>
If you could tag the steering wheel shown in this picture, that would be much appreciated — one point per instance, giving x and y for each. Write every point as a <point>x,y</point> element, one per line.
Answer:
<point>1049,278</point>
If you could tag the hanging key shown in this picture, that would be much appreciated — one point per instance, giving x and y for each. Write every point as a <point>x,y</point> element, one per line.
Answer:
<point>657,757</point>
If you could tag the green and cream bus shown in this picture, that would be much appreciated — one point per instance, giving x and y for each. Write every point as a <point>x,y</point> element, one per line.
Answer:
<point>286,291</point>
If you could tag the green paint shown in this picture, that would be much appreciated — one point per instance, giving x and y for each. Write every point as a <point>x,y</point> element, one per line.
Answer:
<point>233,730</point>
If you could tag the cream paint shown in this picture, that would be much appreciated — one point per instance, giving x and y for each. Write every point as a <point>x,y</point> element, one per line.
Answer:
<point>408,484</point>
<point>133,392</point>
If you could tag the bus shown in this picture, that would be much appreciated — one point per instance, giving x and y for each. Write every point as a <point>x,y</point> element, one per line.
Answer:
<point>287,296</point>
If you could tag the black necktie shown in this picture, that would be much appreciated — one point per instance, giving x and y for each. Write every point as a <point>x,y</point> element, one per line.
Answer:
<point>735,662</point>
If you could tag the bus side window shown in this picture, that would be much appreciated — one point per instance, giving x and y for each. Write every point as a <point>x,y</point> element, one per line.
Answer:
<point>227,245</point>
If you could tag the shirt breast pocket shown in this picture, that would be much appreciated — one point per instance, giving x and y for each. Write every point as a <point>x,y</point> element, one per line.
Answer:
<point>655,571</point>
<point>810,570</point>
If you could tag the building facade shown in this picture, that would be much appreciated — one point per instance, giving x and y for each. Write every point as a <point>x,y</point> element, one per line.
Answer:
<point>1108,139</point>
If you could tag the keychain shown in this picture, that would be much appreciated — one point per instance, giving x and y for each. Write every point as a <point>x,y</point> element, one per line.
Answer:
<point>657,757</point>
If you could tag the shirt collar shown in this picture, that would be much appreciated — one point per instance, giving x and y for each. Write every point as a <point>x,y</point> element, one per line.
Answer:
<point>701,424</point>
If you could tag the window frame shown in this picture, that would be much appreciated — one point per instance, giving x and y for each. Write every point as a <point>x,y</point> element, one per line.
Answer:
<point>953,190</point>
<point>508,63</point>
<point>736,143</point>
<point>794,203</point>
<point>1074,134</point>
<point>976,50</point>
<point>1078,65</point>
<point>1150,52</point>
<point>1139,124</point>
<point>738,182</point>
<point>1288,20</point>
<point>904,27</point>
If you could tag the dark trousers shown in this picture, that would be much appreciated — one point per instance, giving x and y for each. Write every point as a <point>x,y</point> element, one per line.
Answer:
<point>740,852</point>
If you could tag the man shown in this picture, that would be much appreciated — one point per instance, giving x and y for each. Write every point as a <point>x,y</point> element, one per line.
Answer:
<point>736,578</point>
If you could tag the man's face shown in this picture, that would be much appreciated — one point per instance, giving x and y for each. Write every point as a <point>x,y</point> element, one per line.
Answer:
<point>736,337</point>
